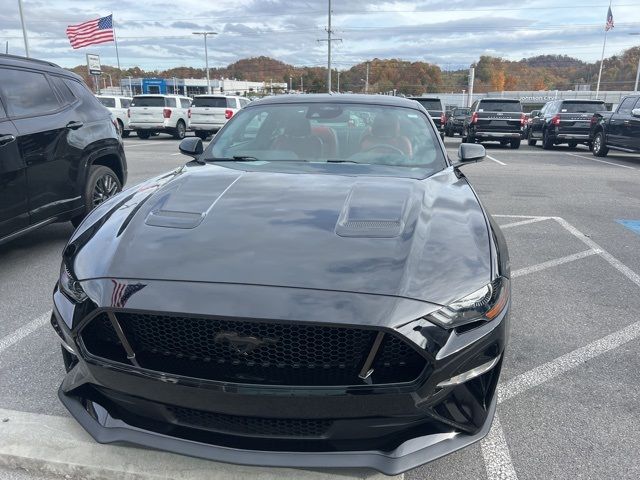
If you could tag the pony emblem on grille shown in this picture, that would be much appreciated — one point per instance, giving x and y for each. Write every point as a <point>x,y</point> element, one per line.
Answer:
<point>243,345</point>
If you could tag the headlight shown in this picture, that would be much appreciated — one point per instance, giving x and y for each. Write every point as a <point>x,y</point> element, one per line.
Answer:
<point>70,286</point>
<point>485,304</point>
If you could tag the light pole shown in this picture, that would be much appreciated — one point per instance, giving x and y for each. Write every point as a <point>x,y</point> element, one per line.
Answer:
<point>338,86</point>
<point>290,83</point>
<point>206,55</point>
<point>110,79</point>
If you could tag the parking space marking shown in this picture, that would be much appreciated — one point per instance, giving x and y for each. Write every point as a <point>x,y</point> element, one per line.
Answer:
<point>550,370</point>
<point>601,161</point>
<point>495,451</point>
<point>496,160</point>
<point>523,222</point>
<point>24,331</point>
<point>554,263</point>
<point>520,216</point>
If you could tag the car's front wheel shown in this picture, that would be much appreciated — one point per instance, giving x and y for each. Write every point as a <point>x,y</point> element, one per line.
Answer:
<point>600,148</point>
<point>102,184</point>
<point>515,143</point>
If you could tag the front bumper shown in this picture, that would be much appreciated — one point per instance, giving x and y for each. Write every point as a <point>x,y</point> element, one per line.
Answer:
<point>391,428</point>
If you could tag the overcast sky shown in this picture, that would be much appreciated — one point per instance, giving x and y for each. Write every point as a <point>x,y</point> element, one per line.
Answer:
<point>450,33</point>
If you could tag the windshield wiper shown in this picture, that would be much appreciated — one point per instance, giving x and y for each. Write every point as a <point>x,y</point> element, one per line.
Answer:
<point>235,158</point>
<point>330,160</point>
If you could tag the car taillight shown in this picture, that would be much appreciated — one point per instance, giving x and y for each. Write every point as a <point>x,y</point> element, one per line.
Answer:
<point>523,119</point>
<point>443,119</point>
<point>228,114</point>
<point>594,120</point>
<point>128,113</point>
<point>474,117</point>
<point>555,120</point>
<point>166,113</point>
<point>189,113</point>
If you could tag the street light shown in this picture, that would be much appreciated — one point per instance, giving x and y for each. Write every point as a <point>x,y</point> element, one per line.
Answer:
<point>206,55</point>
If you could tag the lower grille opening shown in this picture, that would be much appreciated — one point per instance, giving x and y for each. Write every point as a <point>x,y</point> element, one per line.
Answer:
<point>253,352</point>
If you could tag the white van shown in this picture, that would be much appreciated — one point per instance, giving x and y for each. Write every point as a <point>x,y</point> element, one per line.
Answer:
<point>209,113</point>
<point>118,106</point>
<point>149,114</point>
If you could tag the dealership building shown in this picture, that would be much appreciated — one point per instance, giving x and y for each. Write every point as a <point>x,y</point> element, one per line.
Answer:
<point>197,86</point>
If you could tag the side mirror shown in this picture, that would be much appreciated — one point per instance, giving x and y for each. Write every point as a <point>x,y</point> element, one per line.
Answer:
<point>470,153</point>
<point>191,147</point>
<point>635,112</point>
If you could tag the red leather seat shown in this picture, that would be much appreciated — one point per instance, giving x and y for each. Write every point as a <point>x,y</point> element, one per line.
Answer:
<point>386,131</point>
<point>297,138</point>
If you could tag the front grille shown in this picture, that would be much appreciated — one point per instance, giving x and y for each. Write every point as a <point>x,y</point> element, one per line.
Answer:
<point>285,354</point>
<point>254,426</point>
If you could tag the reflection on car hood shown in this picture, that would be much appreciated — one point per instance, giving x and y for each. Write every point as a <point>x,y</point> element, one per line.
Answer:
<point>420,239</point>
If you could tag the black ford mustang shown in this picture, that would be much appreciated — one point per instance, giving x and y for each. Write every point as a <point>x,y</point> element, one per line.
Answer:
<point>319,288</point>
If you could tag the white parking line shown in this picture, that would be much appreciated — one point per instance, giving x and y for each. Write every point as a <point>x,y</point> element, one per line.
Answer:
<point>564,363</point>
<point>520,216</point>
<point>554,263</point>
<point>495,160</point>
<point>495,451</point>
<point>523,222</point>
<point>601,161</point>
<point>24,331</point>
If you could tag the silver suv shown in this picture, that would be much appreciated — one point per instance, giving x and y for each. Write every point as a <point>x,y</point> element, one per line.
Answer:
<point>149,114</point>
<point>209,113</point>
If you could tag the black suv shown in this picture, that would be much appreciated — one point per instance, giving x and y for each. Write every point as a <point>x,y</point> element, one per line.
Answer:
<point>455,121</point>
<point>433,105</point>
<point>563,121</point>
<point>494,120</point>
<point>619,130</point>
<point>60,153</point>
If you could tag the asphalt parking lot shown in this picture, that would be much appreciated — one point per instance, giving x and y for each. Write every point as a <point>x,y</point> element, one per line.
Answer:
<point>568,405</point>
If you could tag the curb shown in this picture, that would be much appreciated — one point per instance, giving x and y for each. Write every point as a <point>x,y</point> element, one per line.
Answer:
<point>59,446</point>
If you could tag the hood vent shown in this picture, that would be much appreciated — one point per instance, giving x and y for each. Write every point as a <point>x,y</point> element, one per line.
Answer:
<point>375,210</point>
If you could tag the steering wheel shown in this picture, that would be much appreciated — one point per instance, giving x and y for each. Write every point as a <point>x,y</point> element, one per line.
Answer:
<point>384,146</point>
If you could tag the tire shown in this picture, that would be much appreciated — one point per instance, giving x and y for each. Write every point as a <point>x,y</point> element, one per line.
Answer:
<point>180,130</point>
<point>120,127</point>
<point>102,184</point>
<point>202,135</point>
<point>531,141</point>
<point>126,133</point>
<point>143,134</point>
<point>600,148</point>
<point>514,144</point>
<point>547,141</point>
<point>573,144</point>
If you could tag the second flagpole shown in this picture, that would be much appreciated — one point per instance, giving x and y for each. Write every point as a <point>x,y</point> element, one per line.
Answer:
<point>604,44</point>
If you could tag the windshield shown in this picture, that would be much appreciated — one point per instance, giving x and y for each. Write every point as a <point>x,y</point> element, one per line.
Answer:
<point>330,133</point>
<point>581,107</point>
<point>107,102</point>
<point>147,102</point>
<point>214,102</point>
<point>461,111</point>
<point>429,104</point>
<point>499,106</point>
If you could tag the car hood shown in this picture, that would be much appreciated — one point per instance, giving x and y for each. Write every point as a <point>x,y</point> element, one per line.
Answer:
<point>421,239</point>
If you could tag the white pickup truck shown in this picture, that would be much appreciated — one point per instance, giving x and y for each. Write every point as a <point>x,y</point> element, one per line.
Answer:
<point>118,106</point>
<point>149,114</point>
<point>209,113</point>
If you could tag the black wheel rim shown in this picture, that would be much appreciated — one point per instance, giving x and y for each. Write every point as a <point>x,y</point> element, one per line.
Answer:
<point>106,187</point>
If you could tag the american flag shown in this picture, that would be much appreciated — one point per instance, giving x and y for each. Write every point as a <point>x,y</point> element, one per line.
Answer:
<point>609,24</point>
<point>122,292</point>
<point>92,32</point>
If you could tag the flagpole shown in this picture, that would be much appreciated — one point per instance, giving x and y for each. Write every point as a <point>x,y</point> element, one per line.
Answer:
<point>604,44</point>
<point>115,40</point>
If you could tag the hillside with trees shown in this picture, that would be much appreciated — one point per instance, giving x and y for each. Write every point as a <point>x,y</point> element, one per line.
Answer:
<point>544,72</point>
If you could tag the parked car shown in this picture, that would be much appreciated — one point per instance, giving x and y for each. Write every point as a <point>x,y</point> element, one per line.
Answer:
<point>209,113</point>
<point>149,114</point>
<point>563,121</point>
<point>305,292</point>
<point>119,108</point>
<point>494,120</point>
<point>617,130</point>
<point>60,153</point>
<point>527,123</point>
<point>455,123</point>
<point>434,106</point>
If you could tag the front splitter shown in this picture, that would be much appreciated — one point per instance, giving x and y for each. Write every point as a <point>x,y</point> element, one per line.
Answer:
<point>410,454</point>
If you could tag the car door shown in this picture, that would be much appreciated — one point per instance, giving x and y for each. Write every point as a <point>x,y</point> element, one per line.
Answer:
<point>14,206</point>
<point>43,121</point>
<point>631,128</point>
<point>619,121</point>
<point>537,122</point>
